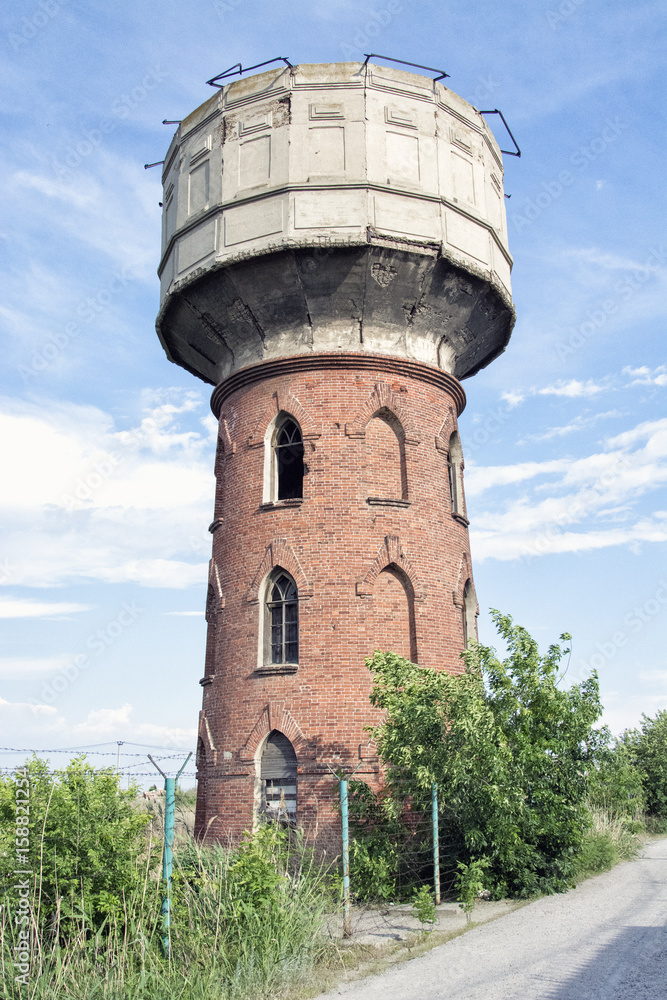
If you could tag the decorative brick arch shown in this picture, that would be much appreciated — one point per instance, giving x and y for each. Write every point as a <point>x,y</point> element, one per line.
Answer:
<point>215,600</point>
<point>279,553</point>
<point>448,427</point>
<point>465,574</point>
<point>283,401</point>
<point>383,397</point>
<point>276,716</point>
<point>390,554</point>
<point>204,734</point>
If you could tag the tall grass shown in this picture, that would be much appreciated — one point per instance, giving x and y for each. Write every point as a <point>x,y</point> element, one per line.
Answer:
<point>246,924</point>
<point>612,837</point>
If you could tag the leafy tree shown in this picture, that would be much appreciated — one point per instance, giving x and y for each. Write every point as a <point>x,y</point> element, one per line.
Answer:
<point>615,784</point>
<point>85,840</point>
<point>647,748</point>
<point>507,748</point>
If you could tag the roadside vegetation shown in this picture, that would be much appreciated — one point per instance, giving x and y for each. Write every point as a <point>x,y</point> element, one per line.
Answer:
<point>533,795</point>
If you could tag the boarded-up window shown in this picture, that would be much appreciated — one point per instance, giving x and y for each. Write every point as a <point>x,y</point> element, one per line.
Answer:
<point>455,474</point>
<point>393,614</point>
<point>279,779</point>
<point>469,608</point>
<point>385,458</point>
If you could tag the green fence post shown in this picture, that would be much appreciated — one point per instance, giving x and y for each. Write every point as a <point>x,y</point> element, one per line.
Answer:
<point>168,850</point>
<point>347,916</point>
<point>436,844</point>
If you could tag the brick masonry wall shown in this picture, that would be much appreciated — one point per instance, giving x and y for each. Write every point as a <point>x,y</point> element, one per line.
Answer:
<point>388,573</point>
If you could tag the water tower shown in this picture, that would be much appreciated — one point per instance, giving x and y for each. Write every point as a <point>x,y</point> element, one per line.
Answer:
<point>334,262</point>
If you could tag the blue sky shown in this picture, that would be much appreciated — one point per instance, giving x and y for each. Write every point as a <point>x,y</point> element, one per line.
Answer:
<point>107,448</point>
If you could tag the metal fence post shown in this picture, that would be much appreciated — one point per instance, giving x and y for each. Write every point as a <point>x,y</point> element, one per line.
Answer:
<point>436,844</point>
<point>168,850</point>
<point>347,917</point>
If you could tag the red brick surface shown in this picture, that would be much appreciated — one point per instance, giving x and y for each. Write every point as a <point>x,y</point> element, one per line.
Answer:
<point>371,576</point>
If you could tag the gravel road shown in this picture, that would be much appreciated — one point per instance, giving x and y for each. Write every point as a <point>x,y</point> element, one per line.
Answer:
<point>604,940</point>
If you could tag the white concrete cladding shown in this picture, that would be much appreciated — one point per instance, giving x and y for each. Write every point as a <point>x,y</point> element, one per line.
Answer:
<point>327,156</point>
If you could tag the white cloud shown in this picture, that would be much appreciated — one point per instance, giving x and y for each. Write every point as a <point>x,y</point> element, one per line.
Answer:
<point>83,499</point>
<point>185,614</point>
<point>27,725</point>
<point>512,399</point>
<point>572,389</point>
<point>38,609</point>
<point>648,376</point>
<point>106,204</point>
<point>602,260</point>
<point>581,493</point>
<point>24,668</point>
<point>578,424</point>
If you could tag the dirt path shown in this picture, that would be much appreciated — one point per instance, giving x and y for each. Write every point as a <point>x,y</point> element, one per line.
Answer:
<point>604,940</point>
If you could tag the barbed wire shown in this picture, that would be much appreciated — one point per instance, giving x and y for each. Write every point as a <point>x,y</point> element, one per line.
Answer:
<point>99,753</point>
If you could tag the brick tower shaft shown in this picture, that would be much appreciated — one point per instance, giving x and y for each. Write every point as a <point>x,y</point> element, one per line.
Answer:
<point>334,261</point>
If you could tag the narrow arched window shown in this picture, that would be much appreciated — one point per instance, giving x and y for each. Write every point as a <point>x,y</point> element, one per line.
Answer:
<point>468,612</point>
<point>278,776</point>
<point>282,620</point>
<point>454,473</point>
<point>385,457</point>
<point>288,452</point>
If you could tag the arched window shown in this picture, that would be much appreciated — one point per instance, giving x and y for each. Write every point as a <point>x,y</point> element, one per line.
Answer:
<point>385,457</point>
<point>469,631</point>
<point>454,472</point>
<point>288,460</point>
<point>281,631</point>
<point>394,614</point>
<point>278,778</point>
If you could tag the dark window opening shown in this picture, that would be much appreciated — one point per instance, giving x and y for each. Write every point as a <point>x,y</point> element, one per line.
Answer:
<point>289,461</point>
<point>284,620</point>
<point>279,779</point>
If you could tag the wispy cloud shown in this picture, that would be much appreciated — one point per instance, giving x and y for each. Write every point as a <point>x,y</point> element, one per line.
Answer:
<point>573,388</point>
<point>578,424</point>
<point>25,667</point>
<point>96,502</point>
<point>582,492</point>
<point>647,376</point>
<point>38,609</point>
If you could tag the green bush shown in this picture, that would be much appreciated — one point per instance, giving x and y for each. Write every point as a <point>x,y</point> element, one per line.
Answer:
<point>508,750</point>
<point>598,853</point>
<point>615,782</point>
<point>247,924</point>
<point>87,846</point>
<point>647,749</point>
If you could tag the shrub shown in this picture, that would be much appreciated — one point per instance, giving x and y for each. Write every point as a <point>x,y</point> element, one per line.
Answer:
<point>647,748</point>
<point>87,844</point>
<point>507,749</point>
